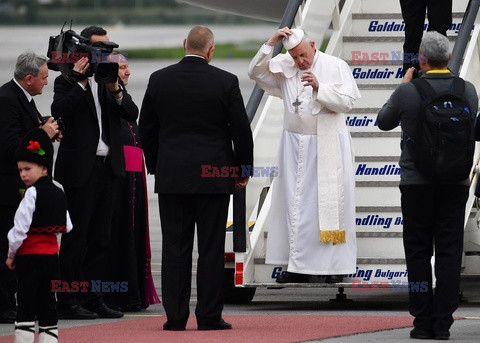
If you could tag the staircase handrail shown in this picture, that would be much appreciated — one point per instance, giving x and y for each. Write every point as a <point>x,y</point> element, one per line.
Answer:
<point>463,36</point>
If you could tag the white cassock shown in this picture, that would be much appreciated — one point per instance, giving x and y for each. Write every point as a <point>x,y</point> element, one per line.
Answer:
<point>313,196</point>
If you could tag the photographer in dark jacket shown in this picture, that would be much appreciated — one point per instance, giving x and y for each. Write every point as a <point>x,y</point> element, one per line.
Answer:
<point>433,211</point>
<point>89,160</point>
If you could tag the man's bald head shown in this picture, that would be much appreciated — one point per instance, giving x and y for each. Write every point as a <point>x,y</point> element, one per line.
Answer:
<point>199,41</point>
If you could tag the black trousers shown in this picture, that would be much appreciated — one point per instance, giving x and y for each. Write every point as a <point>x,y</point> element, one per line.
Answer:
<point>434,222</point>
<point>413,12</point>
<point>179,214</point>
<point>35,297</point>
<point>84,250</point>
<point>8,284</point>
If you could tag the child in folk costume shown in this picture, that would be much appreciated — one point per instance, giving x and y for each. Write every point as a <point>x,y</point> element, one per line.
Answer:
<point>33,247</point>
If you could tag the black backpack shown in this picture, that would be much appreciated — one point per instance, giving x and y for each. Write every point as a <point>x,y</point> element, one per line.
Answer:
<point>443,144</point>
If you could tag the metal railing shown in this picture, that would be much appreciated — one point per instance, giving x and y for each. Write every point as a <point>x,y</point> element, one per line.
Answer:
<point>463,36</point>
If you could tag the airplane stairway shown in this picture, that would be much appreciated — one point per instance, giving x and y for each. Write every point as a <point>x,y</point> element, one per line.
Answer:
<point>369,35</point>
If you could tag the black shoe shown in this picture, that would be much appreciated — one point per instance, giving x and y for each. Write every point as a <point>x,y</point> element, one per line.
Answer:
<point>75,312</point>
<point>170,327</point>
<point>420,334</point>
<point>289,277</point>
<point>334,278</point>
<point>8,316</point>
<point>103,310</point>
<point>220,325</point>
<point>442,335</point>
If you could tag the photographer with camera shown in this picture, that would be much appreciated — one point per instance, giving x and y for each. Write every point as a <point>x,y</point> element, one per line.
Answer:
<point>89,161</point>
<point>19,115</point>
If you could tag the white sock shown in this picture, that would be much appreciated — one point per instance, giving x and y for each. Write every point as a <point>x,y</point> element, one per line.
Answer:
<point>24,332</point>
<point>47,334</point>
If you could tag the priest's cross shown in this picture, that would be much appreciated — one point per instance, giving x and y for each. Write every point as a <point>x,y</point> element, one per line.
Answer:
<point>296,104</point>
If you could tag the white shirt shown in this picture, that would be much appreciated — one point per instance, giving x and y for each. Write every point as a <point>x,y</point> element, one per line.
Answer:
<point>27,94</point>
<point>102,147</point>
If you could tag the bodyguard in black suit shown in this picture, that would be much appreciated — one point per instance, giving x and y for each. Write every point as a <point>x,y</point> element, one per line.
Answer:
<point>89,159</point>
<point>190,115</point>
<point>18,115</point>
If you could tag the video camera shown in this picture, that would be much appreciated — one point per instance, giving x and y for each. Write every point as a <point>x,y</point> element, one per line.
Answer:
<point>68,47</point>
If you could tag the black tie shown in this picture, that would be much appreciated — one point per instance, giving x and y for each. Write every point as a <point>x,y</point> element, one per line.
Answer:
<point>39,116</point>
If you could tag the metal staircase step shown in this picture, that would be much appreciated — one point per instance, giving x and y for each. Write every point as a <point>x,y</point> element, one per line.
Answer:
<point>378,209</point>
<point>376,134</point>
<point>392,24</point>
<point>372,97</point>
<point>261,261</point>
<point>375,39</point>
<point>361,122</point>
<point>364,110</point>
<point>379,234</point>
<point>377,193</point>
<point>379,16</point>
<point>377,72</point>
<point>377,171</point>
<point>377,158</point>
<point>381,261</point>
<point>376,184</point>
<point>378,146</point>
<point>379,86</point>
<point>393,6</point>
<point>359,61</point>
<point>389,46</point>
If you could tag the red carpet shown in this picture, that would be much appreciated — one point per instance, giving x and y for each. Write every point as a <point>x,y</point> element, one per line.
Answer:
<point>246,328</point>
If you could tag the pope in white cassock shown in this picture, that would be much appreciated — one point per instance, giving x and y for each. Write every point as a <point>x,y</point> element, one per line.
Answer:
<point>312,218</point>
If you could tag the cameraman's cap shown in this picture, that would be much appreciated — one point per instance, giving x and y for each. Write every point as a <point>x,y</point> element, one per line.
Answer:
<point>294,39</point>
<point>36,147</point>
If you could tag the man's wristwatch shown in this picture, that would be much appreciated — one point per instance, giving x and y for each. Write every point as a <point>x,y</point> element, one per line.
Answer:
<point>120,89</point>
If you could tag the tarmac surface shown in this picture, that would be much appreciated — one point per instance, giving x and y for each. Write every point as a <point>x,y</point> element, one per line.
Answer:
<point>281,315</point>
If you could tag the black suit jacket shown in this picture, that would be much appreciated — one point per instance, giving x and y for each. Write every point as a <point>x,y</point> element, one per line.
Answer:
<point>77,151</point>
<point>191,114</point>
<point>17,117</point>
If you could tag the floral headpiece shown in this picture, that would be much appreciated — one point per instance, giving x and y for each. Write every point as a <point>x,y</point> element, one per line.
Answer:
<point>39,149</point>
<point>34,146</point>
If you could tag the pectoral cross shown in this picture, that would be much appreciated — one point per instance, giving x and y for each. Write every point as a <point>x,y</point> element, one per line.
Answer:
<point>296,104</point>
